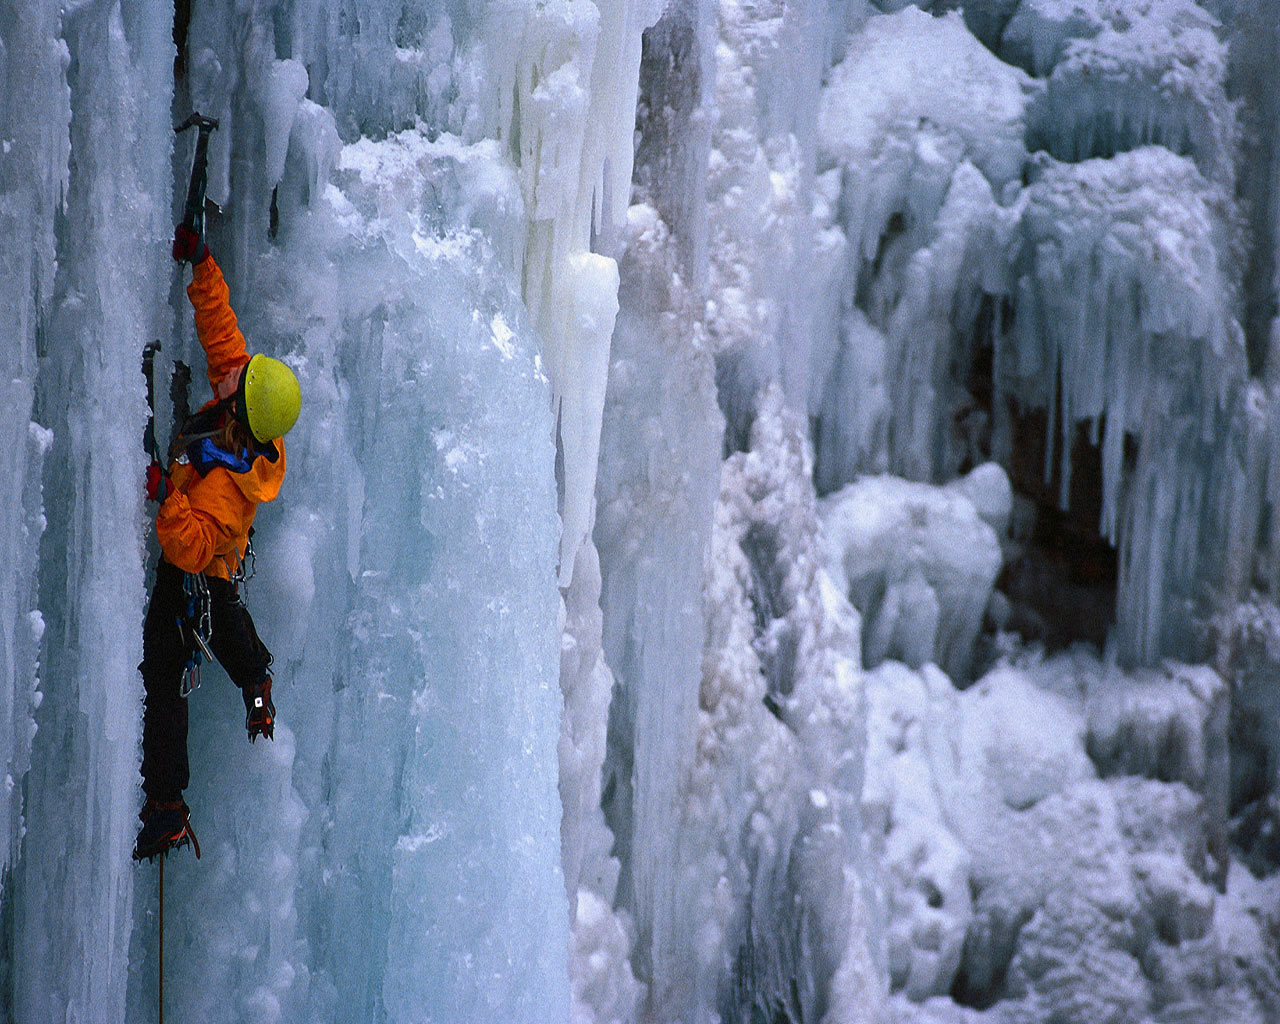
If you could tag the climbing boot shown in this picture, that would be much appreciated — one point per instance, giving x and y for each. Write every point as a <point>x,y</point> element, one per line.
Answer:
<point>166,825</point>
<point>260,713</point>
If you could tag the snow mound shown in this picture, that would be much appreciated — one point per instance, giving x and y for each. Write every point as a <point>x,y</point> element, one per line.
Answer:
<point>910,69</point>
<point>1071,898</point>
<point>918,562</point>
<point>926,866</point>
<point>1023,742</point>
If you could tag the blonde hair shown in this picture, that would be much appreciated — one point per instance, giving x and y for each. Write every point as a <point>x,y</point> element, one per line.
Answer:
<point>233,437</point>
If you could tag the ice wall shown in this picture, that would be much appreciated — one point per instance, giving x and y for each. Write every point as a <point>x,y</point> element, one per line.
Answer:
<point>1153,354</point>
<point>973,268</point>
<point>563,424</point>
<point>926,142</point>
<point>736,827</point>
<point>396,852</point>
<point>33,168</point>
<point>775,804</point>
<point>1152,73</point>
<point>84,159</point>
<point>764,219</point>
<point>661,456</point>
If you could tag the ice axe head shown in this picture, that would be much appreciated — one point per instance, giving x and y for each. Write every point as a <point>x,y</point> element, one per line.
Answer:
<point>198,120</point>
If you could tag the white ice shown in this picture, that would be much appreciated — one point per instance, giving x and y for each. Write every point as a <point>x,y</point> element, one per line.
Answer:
<point>574,719</point>
<point>918,562</point>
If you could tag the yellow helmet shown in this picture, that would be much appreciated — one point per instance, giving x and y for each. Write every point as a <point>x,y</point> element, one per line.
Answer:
<point>272,398</point>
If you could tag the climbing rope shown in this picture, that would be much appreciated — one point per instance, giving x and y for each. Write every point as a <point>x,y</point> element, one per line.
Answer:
<point>161,964</point>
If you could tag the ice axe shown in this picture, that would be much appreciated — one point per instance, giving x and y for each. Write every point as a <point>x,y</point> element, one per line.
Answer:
<point>193,215</point>
<point>148,370</point>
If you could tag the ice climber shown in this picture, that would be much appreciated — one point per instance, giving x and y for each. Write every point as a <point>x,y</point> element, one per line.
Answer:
<point>228,457</point>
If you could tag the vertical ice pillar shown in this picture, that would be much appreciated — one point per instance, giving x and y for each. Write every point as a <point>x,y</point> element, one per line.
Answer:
<point>74,881</point>
<point>34,115</point>
<point>414,615</point>
<point>479,923</point>
<point>567,82</point>
<point>775,875</point>
<point>656,492</point>
<point>773,269</point>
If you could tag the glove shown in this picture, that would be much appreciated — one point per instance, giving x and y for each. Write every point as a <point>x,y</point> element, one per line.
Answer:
<point>188,247</point>
<point>159,486</point>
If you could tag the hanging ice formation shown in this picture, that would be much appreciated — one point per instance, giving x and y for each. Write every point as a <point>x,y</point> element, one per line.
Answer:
<point>591,299</point>
<point>1100,294</point>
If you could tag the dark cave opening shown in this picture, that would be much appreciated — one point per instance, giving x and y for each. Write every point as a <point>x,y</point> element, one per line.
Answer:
<point>1061,578</point>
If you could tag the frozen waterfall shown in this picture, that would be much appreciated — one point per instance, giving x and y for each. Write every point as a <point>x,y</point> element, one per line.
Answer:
<point>781,527</point>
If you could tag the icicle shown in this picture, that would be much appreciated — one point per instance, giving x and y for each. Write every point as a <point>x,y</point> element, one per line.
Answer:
<point>567,88</point>
<point>922,166</point>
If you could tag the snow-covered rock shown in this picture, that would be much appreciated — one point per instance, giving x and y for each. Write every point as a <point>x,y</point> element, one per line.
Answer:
<point>1073,898</point>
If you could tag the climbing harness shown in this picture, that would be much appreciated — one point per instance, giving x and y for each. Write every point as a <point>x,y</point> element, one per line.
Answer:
<point>196,627</point>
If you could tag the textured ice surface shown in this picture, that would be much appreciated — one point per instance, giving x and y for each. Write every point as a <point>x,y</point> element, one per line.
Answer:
<point>408,576</point>
<point>878,93</point>
<point>1125,75</point>
<point>1128,297</point>
<point>427,209</point>
<point>926,129</point>
<point>449,617</point>
<point>778,879</point>
<point>957,249</point>
<point>926,868</point>
<point>765,322</point>
<point>85,88</point>
<point>918,562</point>
<point>1019,879</point>
<point>653,529</point>
<point>34,118</point>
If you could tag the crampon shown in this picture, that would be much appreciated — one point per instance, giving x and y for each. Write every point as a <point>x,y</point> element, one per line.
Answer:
<point>166,825</point>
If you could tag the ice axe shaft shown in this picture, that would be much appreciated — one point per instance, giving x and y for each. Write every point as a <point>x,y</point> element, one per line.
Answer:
<point>148,371</point>
<point>193,215</point>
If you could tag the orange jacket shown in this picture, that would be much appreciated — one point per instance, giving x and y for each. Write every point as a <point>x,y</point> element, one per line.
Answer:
<point>203,525</point>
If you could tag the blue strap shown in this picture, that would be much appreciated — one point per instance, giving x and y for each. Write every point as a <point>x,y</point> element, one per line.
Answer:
<point>205,455</point>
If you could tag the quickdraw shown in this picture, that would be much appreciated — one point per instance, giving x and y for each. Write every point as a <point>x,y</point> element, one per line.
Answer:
<point>198,622</point>
<point>245,570</point>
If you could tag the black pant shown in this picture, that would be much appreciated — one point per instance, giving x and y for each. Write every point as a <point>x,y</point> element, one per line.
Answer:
<point>166,647</point>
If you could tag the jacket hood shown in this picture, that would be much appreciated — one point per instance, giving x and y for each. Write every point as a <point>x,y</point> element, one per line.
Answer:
<point>263,479</point>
